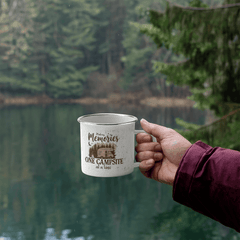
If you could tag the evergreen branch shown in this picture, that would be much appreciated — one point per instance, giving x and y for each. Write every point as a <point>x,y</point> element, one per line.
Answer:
<point>207,126</point>
<point>177,63</point>
<point>204,9</point>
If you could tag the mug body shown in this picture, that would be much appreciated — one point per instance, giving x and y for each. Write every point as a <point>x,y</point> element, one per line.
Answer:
<point>107,144</point>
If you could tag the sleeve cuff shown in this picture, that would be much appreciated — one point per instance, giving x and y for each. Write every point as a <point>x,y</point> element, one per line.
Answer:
<point>186,171</point>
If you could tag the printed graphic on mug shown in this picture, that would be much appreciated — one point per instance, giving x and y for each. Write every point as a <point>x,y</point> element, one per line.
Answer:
<point>102,150</point>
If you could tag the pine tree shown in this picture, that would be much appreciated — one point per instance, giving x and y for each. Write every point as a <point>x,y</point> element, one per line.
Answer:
<point>17,73</point>
<point>46,49</point>
<point>209,39</point>
<point>138,49</point>
<point>64,31</point>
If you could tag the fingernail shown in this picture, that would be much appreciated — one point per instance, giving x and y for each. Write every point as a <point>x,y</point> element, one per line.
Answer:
<point>143,120</point>
<point>149,162</point>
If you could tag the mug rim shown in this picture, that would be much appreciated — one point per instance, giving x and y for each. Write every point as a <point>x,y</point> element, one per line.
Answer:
<point>81,119</point>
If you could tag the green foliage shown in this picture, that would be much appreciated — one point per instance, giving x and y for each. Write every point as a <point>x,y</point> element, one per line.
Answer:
<point>27,84</point>
<point>46,52</point>
<point>139,49</point>
<point>16,74</point>
<point>69,84</point>
<point>222,133</point>
<point>62,59</point>
<point>186,125</point>
<point>48,46</point>
<point>209,40</point>
<point>134,62</point>
<point>197,3</point>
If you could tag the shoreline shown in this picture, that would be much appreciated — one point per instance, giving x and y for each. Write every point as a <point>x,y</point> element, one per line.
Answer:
<point>113,99</point>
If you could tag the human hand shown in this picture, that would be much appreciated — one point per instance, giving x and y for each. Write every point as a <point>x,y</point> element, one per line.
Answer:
<point>160,160</point>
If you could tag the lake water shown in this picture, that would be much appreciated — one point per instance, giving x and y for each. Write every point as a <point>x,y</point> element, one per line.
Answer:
<point>45,196</point>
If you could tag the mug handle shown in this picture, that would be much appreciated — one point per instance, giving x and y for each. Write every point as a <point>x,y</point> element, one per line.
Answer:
<point>136,164</point>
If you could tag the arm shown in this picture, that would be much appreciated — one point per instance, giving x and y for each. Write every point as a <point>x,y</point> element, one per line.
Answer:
<point>208,181</point>
<point>205,179</point>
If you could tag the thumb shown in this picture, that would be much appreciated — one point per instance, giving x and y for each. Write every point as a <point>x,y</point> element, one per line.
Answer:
<point>155,130</point>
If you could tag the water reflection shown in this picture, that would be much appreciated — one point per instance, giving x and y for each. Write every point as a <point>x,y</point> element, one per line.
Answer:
<point>45,196</point>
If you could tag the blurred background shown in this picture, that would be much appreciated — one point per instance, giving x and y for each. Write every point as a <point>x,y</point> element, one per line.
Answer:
<point>173,63</point>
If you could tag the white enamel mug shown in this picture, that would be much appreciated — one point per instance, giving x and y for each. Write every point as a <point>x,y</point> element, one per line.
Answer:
<point>107,144</point>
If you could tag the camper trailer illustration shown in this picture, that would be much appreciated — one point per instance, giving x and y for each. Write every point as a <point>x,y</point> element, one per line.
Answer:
<point>105,153</point>
<point>102,151</point>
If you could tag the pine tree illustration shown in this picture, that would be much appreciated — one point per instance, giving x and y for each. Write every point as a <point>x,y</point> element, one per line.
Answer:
<point>113,146</point>
<point>95,150</point>
<point>114,154</point>
<point>90,152</point>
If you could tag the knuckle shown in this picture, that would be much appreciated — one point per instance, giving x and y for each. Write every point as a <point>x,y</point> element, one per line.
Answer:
<point>171,131</point>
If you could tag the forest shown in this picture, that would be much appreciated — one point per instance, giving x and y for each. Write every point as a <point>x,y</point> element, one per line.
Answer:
<point>82,48</point>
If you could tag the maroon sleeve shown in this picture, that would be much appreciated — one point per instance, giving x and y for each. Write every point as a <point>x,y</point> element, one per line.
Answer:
<point>208,181</point>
